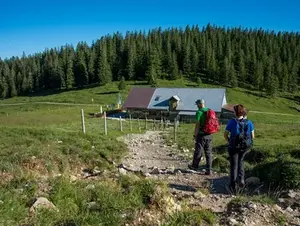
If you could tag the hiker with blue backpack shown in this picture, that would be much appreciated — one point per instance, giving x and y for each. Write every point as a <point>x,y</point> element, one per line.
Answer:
<point>239,141</point>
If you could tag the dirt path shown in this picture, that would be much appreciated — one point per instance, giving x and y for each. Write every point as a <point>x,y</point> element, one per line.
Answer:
<point>148,153</point>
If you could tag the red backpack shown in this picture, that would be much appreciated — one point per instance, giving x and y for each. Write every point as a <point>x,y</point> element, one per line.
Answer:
<point>211,125</point>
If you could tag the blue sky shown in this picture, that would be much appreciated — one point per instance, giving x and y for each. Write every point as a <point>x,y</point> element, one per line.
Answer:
<point>32,25</point>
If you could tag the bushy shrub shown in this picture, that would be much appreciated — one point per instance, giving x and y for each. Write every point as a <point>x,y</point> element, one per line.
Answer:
<point>257,155</point>
<point>283,172</point>
<point>296,153</point>
<point>221,164</point>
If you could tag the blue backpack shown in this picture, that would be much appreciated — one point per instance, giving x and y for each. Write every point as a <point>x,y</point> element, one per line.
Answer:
<point>242,140</point>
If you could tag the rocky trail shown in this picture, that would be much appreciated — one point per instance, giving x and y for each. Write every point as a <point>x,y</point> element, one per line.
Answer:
<point>149,154</point>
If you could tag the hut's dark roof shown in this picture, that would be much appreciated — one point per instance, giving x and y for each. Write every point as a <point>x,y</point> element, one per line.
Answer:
<point>139,97</point>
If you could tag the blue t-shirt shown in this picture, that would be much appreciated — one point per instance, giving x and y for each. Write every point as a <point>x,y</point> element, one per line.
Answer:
<point>232,127</point>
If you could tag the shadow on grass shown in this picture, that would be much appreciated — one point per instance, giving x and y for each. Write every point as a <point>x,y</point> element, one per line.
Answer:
<point>292,98</point>
<point>260,95</point>
<point>141,83</point>
<point>66,223</point>
<point>107,93</point>
<point>54,91</point>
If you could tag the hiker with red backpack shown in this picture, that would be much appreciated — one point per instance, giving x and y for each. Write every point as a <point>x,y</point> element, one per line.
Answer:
<point>240,141</point>
<point>206,124</point>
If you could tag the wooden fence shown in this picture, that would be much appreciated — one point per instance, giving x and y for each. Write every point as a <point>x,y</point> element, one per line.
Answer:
<point>132,124</point>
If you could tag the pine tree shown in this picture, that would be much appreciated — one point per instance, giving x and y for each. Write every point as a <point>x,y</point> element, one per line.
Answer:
<point>174,67</point>
<point>3,87</point>
<point>4,75</point>
<point>198,81</point>
<point>168,59</point>
<point>104,71</point>
<point>153,68</point>
<point>271,80</point>
<point>225,72</point>
<point>10,78</point>
<point>285,78</point>
<point>194,59</point>
<point>80,70</point>
<point>130,69</point>
<point>259,76</point>
<point>241,68</point>
<point>24,88</point>
<point>293,79</point>
<point>213,71</point>
<point>187,60</point>
<point>122,84</point>
<point>57,73</point>
<point>233,82</point>
<point>67,66</point>
<point>91,67</point>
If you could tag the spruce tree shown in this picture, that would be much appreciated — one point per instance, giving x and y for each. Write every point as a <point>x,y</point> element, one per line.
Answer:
<point>10,78</point>
<point>214,75</point>
<point>233,82</point>
<point>194,59</point>
<point>91,67</point>
<point>293,79</point>
<point>153,69</point>
<point>259,76</point>
<point>174,67</point>
<point>285,78</point>
<point>271,80</point>
<point>122,84</point>
<point>131,60</point>
<point>2,82</point>
<point>225,72</point>
<point>241,67</point>
<point>104,71</point>
<point>3,87</point>
<point>67,66</point>
<point>24,88</point>
<point>187,59</point>
<point>80,70</point>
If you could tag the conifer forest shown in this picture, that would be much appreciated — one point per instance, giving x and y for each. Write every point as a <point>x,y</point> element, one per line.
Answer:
<point>233,57</point>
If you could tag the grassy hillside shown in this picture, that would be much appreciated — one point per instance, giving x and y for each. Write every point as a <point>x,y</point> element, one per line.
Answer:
<point>108,94</point>
<point>42,148</point>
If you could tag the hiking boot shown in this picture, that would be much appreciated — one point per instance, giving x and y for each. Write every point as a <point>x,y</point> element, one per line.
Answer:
<point>192,167</point>
<point>209,173</point>
<point>242,184</point>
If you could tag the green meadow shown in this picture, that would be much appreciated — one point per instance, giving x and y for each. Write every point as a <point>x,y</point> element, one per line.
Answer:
<point>42,145</point>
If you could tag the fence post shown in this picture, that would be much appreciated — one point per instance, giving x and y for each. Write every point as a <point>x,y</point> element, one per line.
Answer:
<point>175,129</point>
<point>130,122</point>
<point>145,122</point>
<point>105,124</point>
<point>121,126</point>
<point>161,123</point>
<point>101,110</point>
<point>139,124</point>
<point>82,121</point>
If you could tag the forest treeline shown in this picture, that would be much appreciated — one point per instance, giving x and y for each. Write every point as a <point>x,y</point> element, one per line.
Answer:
<point>235,57</point>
